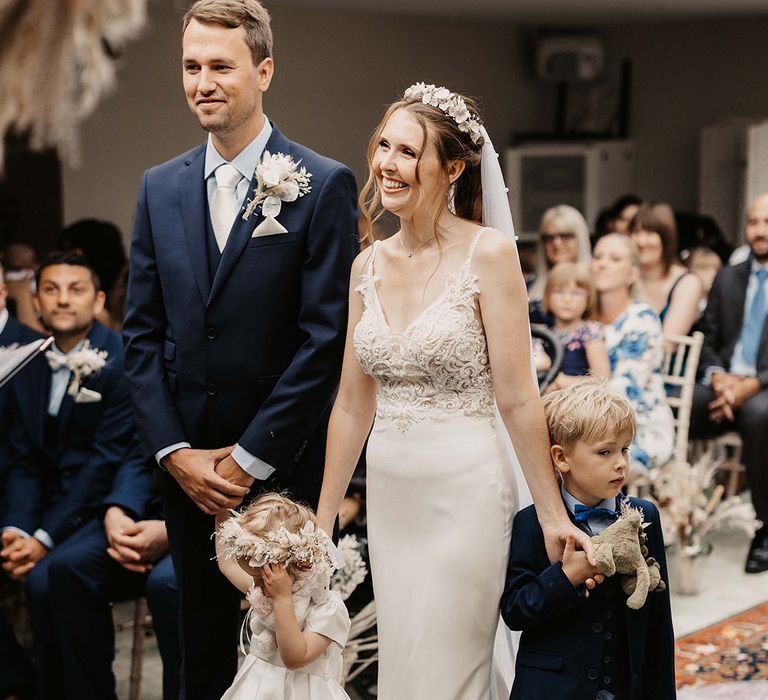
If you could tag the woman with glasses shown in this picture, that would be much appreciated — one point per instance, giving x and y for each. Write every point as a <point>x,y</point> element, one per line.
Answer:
<point>563,237</point>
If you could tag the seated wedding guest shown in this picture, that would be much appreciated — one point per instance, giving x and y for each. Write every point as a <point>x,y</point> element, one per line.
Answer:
<point>72,426</point>
<point>575,644</point>
<point>622,211</point>
<point>563,237</point>
<point>635,345</point>
<point>705,264</point>
<point>119,555</point>
<point>668,287</point>
<point>101,243</point>
<point>20,263</point>
<point>11,333</point>
<point>569,298</point>
<point>734,363</point>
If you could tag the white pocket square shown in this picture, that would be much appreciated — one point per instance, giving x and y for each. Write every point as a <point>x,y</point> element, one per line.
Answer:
<point>269,227</point>
<point>87,396</point>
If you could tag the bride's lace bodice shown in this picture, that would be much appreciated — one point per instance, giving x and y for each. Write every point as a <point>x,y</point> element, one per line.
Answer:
<point>439,363</point>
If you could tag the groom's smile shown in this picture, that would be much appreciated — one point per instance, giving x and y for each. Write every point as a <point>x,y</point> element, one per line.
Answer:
<point>222,84</point>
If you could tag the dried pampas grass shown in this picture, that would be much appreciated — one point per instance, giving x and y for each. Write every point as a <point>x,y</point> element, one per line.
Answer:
<point>57,60</point>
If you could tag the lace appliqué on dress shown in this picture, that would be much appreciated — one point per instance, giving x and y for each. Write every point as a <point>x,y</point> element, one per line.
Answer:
<point>438,365</point>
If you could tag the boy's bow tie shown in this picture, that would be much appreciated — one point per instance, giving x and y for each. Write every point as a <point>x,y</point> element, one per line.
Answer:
<point>584,513</point>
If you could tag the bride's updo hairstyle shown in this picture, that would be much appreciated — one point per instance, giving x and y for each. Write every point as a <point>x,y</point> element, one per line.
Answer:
<point>457,138</point>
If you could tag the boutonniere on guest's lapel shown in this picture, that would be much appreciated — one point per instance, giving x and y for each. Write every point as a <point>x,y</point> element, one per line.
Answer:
<point>278,179</point>
<point>82,363</point>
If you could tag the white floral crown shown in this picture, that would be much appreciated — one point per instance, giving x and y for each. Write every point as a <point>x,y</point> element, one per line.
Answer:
<point>450,103</point>
<point>306,549</point>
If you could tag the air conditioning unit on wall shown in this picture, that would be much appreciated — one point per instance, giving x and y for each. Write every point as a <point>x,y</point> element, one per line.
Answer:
<point>588,176</point>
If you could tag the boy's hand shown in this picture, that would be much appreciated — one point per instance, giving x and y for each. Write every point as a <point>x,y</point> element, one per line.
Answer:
<point>576,566</point>
<point>277,582</point>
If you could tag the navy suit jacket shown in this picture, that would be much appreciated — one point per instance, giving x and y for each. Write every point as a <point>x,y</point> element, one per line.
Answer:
<point>58,484</point>
<point>134,488</point>
<point>253,355</point>
<point>724,317</point>
<point>559,647</point>
<point>14,332</point>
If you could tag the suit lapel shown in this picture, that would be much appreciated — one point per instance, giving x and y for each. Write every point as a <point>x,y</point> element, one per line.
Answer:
<point>242,229</point>
<point>192,196</point>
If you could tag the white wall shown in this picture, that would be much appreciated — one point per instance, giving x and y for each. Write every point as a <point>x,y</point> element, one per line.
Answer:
<point>337,70</point>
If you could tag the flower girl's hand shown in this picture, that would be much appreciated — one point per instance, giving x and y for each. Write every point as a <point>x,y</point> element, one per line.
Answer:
<point>277,582</point>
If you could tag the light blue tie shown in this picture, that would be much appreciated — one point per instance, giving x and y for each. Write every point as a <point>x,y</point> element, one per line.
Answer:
<point>753,328</point>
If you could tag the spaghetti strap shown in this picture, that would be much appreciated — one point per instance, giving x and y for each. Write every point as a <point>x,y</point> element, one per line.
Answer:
<point>474,243</point>
<point>369,267</point>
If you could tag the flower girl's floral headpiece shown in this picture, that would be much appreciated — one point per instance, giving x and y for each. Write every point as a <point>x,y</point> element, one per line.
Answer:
<point>304,549</point>
<point>450,103</point>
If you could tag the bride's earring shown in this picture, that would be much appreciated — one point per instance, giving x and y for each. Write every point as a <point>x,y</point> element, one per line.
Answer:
<point>450,195</point>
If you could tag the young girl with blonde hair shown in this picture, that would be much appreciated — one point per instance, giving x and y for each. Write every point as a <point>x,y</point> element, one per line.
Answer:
<point>274,553</point>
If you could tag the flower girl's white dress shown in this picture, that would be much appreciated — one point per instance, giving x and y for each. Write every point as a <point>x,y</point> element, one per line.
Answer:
<point>441,496</point>
<point>262,674</point>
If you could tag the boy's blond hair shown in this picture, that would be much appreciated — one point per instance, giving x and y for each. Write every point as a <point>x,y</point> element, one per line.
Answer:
<point>587,411</point>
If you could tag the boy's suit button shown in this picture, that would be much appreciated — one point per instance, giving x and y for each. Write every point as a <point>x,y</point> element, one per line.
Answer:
<point>211,333</point>
<point>606,680</point>
<point>606,659</point>
<point>608,637</point>
<point>608,614</point>
<point>597,627</point>
<point>211,389</point>
<point>592,674</point>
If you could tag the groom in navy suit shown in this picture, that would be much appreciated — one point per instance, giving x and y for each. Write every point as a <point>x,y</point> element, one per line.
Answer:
<point>234,323</point>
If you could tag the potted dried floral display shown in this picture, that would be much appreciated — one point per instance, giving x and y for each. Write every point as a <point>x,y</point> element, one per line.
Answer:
<point>692,509</point>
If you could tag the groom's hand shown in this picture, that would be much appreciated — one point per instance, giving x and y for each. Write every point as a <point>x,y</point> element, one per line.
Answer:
<point>230,470</point>
<point>195,472</point>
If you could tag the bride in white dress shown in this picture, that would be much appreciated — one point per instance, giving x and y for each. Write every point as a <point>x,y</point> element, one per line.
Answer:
<point>438,340</point>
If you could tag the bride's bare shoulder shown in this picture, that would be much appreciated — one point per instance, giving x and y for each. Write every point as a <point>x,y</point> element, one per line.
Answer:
<point>494,248</point>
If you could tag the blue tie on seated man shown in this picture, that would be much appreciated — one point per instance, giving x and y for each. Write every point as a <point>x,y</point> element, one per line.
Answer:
<point>71,430</point>
<point>580,640</point>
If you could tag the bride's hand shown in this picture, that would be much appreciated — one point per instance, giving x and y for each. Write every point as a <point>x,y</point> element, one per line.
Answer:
<point>555,538</point>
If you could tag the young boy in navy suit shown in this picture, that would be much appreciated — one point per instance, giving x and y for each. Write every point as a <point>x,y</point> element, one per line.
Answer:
<point>577,644</point>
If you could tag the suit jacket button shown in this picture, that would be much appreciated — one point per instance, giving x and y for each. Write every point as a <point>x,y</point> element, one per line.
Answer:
<point>211,389</point>
<point>606,680</point>
<point>608,614</point>
<point>606,659</point>
<point>211,333</point>
<point>592,674</point>
<point>597,628</point>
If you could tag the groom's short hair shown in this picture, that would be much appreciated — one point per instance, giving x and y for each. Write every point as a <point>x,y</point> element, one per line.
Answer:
<point>251,15</point>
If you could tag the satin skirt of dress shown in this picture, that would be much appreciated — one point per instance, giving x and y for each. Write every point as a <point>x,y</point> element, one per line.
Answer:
<point>441,498</point>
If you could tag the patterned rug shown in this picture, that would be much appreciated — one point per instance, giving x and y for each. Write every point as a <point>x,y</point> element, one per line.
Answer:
<point>733,650</point>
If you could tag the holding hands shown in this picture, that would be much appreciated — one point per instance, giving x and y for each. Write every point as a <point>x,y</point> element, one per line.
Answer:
<point>136,546</point>
<point>20,554</point>
<point>577,567</point>
<point>205,477</point>
<point>731,392</point>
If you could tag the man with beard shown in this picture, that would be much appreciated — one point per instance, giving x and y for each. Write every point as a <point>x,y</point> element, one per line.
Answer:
<point>733,392</point>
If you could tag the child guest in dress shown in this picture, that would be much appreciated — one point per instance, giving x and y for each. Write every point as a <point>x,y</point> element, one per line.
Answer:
<point>273,552</point>
<point>569,299</point>
<point>576,645</point>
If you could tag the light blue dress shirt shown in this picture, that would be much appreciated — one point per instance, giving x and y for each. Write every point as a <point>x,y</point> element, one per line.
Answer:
<point>245,162</point>
<point>596,525</point>
<point>738,364</point>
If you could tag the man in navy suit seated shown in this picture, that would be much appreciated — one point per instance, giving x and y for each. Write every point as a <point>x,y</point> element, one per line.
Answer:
<point>120,555</point>
<point>577,644</point>
<point>14,665</point>
<point>72,428</point>
<point>733,392</point>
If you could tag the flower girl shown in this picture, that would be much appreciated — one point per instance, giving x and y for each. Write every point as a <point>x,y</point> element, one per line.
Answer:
<point>273,552</point>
